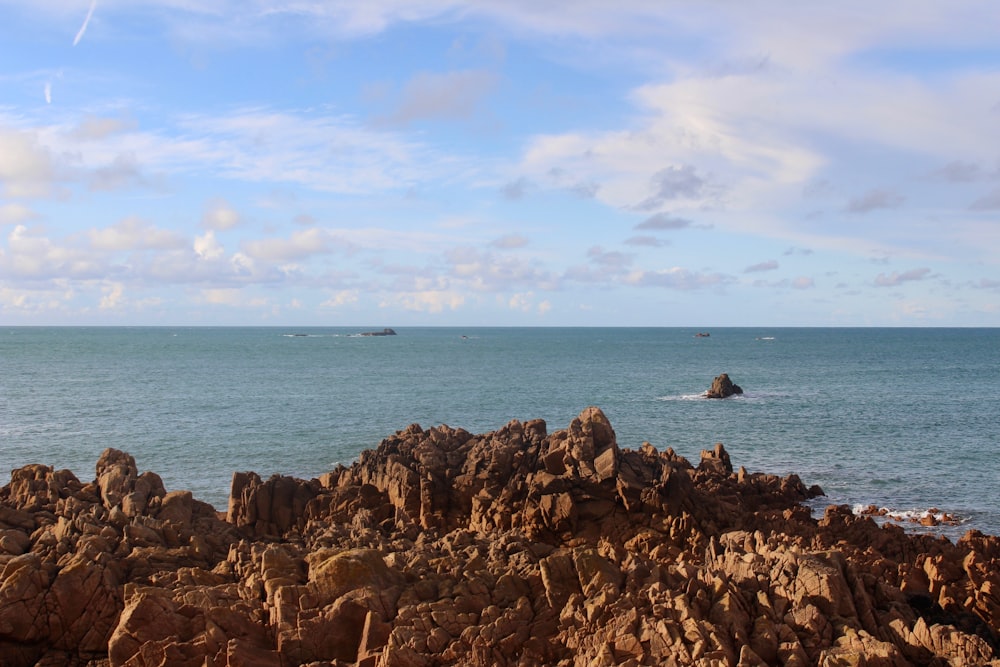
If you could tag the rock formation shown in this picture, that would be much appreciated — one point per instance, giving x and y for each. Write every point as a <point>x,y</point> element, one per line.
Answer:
<point>515,547</point>
<point>723,387</point>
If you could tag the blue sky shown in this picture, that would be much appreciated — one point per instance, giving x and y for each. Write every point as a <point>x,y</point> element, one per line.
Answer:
<point>431,162</point>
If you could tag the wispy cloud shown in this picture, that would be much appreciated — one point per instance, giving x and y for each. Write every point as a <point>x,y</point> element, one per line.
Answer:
<point>86,22</point>
<point>646,241</point>
<point>988,202</point>
<point>769,265</point>
<point>678,278</point>
<point>959,171</point>
<point>516,189</point>
<point>895,278</point>
<point>797,251</point>
<point>441,96</point>
<point>874,199</point>
<point>662,221</point>
<point>509,242</point>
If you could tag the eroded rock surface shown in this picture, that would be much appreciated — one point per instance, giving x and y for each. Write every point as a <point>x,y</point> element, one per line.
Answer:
<point>515,547</point>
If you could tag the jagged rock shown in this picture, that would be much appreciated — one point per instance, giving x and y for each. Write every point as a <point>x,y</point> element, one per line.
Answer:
<point>723,387</point>
<point>515,547</point>
<point>268,508</point>
<point>717,460</point>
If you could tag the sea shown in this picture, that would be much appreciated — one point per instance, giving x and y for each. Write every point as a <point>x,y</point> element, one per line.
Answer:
<point>903,419</point>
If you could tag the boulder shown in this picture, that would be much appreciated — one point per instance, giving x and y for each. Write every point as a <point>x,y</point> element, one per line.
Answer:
<point>723,387</point>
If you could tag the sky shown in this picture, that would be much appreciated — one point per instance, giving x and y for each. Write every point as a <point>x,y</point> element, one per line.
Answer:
<point>500,163</point>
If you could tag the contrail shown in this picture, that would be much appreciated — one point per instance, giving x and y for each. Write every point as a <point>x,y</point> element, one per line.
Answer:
<point>86,21</point>
<point>48,92</point>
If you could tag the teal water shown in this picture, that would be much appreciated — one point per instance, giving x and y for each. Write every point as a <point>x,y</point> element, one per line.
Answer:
<point>900,418</point>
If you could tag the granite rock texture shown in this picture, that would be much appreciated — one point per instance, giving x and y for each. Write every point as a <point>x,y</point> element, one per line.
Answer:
<point>515,547</point>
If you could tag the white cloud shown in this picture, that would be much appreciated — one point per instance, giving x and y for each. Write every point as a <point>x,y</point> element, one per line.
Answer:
<point>677,278</point>
<point>33,255</point>
<point>134,234</point>
<point>520,302</point>
<point>305,148</point>
<point>13,213</point>
<point>12,299</point>
<point>486,272</point>
<point>222,296</point>
<point>219,215</point>
<point>326,153</point>
<point>301,244</point>
<point>121,173</point>
<point>207,247</point>
<point>895,278</point>
<point>242,265</point>
<point>510,242</point>
<point>341,298</point>
<point>96,128</point>
<point>429,301</point>
<point>112,297</point>
<point>26,167</point>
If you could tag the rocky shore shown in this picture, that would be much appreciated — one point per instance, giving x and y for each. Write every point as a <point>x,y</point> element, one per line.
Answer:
<point>515,547</point>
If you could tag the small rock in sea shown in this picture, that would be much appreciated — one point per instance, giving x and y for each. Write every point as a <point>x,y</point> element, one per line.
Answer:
<point>723,387</point>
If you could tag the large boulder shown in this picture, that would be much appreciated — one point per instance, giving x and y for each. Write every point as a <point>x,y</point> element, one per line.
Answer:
<point>723,387</point>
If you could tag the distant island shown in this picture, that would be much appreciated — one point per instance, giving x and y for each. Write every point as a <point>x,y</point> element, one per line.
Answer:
<point>383,332</point>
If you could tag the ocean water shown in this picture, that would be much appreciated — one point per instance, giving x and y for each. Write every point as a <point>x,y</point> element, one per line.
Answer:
<point>905,419</point>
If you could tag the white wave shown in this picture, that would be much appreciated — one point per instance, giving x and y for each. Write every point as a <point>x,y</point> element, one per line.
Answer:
<point>751,396</point>
<point>925,517</point>
<point>682,397</point>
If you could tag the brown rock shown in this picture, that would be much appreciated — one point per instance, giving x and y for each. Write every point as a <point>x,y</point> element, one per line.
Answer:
<point>723,387</point>
<point>515,547</point>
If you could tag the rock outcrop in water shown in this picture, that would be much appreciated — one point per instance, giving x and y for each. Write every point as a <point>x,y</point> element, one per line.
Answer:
<point>516,547</point>
<point>723,387</point>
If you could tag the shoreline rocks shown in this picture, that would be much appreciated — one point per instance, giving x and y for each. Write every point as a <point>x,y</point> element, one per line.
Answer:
<point>514,547</point>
